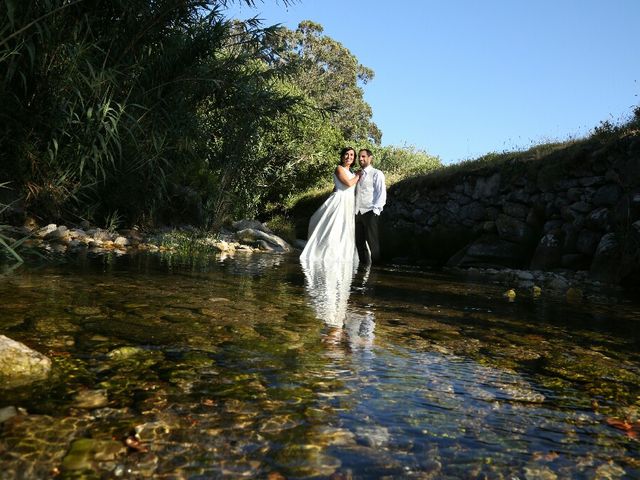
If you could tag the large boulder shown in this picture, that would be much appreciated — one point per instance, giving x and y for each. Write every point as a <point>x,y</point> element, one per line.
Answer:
<point>514,230</point>
<point>587,241</point>
<point>599,219</point>
<point>486,187</point>
<point>267,241</point>
<point>246,223</point>
<point>60,234</point>
<point>19,365</point>
<point>44,231</point>
<point>473,211</point>
<point>605,266</point>
<point>490,251</point>
<point>607,195</point>
<point>548,254</point>
<point>516,210</point>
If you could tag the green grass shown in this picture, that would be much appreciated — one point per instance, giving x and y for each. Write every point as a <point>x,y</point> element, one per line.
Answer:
<point>498,160</point>
<point>399,163</point>
<point>188,243</point>
<point>518,162</point>
<point>8,246</point>
<point>300,208</point>
<point>283,226</point>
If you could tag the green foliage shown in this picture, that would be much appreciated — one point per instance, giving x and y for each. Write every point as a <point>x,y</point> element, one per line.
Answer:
<point>296,156</point>
<point>301,206</point>
<point>186,242</point>
<point>298,151</point>
<point>609,129</point>
<point>284,227</point>
<point>8,245</point>
<point>138,112</point>
<point>330,77</point>
<point>113,221</point>
<point>398,163</point>
<point>106,104</point>
<point>193,248</point>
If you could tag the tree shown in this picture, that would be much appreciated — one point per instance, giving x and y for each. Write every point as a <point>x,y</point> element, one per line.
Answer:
<point>330,78</point>
<point>299,148</point>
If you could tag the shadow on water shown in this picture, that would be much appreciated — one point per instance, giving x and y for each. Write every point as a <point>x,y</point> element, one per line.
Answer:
<point>252,366</point>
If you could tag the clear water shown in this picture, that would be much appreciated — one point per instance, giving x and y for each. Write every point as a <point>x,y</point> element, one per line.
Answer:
<point>244,367</point>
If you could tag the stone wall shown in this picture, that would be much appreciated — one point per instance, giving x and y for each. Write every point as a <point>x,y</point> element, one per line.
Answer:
<point>576,207</point>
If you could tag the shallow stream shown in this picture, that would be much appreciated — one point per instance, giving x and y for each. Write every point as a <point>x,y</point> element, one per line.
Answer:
<point>253,367</point>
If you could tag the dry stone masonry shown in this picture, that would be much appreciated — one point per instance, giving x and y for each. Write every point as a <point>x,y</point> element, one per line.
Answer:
<point>575,208</point>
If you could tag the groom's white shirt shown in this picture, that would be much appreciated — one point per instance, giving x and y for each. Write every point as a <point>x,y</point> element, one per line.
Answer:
<point>371,193</point>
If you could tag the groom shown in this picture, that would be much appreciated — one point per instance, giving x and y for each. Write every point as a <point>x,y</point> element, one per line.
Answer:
<point>371,195</point>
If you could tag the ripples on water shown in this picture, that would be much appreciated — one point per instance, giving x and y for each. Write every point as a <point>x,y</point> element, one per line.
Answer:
<point>255,367</point>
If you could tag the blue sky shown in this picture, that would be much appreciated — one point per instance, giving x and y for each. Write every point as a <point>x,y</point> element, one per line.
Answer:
<point>461,78</point>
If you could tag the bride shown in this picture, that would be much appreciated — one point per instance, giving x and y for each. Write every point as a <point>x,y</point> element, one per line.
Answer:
<point>332,226</point>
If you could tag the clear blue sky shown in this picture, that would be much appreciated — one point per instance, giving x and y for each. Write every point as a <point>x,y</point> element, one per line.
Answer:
<point>461,78</point>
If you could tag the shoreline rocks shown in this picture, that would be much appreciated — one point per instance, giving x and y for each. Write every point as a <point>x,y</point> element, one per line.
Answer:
<point>244,236</point>
<point>573,287</point>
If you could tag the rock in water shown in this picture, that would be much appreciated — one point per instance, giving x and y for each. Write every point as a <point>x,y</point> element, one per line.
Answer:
<point>510,295</point>
<point>19,365</point>
<point>273,242</point>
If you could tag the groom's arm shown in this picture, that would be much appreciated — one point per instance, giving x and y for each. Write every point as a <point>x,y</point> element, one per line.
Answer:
<point>379,193</point>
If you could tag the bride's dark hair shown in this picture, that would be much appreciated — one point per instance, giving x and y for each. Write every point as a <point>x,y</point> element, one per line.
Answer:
<point>344,151</point>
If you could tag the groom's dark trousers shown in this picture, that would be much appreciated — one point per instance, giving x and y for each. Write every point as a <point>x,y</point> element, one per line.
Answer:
<point>367,234</point>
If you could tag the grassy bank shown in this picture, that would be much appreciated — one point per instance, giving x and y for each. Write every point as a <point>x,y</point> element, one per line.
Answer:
<point>412,169</point>
<point>518,162</point>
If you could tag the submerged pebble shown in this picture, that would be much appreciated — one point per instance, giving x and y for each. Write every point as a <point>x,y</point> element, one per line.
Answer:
<point>90,399</point>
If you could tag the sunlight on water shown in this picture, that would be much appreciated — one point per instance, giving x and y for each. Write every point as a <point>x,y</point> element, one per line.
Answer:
<point>254,366</point>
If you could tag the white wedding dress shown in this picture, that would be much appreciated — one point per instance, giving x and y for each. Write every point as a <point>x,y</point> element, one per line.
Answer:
<point>332,233</point>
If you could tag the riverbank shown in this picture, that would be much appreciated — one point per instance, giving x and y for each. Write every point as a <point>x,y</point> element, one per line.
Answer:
<point>560,207</point>
<point>253,237</point>
<point>242,235</point>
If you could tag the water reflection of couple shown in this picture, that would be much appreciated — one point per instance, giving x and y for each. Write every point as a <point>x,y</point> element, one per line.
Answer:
<point>343,231</point>
<point>328,286</point>
<point>345,227</point>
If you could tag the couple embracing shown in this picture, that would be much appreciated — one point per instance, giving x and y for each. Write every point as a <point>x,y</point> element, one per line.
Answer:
<point>345,227</point>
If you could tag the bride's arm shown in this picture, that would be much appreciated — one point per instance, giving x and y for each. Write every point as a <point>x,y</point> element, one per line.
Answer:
<point>341,173</point>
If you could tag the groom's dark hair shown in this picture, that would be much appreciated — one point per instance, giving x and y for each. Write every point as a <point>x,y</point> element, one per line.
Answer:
<point>369,154</point>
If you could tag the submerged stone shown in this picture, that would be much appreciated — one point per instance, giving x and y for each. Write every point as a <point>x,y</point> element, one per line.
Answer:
<point>539,473</point>
<point>19,365</point>
<point>610,471</point>
<point>7,412</point>
<point>90,399</point>
<point>124,353</point>
<point>510,294</point>
<point>374,436</point>
<point>84,452</point>
<point>86,310</point>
